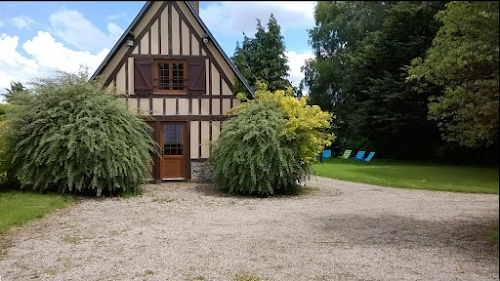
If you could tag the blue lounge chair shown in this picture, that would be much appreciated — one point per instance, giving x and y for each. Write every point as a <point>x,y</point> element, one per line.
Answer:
<point>369,158</point>
<point>359,156</point>
<point>327,154</point>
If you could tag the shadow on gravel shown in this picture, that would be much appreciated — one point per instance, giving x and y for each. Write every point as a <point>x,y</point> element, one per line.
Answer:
<point>468,237</point>
<point>212,190</point>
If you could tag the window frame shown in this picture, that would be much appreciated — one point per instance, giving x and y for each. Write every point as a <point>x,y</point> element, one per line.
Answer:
<point>185,79</point>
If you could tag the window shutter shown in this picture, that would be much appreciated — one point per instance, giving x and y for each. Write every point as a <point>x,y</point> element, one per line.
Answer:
<point>143,76</point>
<point>197,76</point>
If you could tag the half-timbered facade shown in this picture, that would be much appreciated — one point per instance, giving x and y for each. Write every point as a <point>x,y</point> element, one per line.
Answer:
<point>171,68</point>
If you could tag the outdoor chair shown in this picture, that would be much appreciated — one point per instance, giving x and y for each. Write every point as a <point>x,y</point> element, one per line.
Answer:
<point>346,155</point>
<point>359,156</point>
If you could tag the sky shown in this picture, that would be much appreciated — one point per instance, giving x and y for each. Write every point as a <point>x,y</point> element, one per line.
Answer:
<point>39,38</point>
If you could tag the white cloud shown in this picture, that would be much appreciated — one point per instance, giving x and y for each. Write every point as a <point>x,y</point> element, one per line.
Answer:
<point>78,31</point>
<point>295,62</point>
<point>22,21</point>
<point>117,16</point>
<point>237,17</point>
<point>13,66</point>
<point>47,56</point>
<point>54,55</point>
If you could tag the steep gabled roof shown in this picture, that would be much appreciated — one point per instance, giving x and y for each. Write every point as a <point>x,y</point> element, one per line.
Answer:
<point>137,19</point>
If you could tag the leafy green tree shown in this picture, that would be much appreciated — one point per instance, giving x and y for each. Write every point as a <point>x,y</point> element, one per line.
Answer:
<point>71,135</point>
<point>464,61</point>
<point>269,143</point>
<point>15,87</point>
<point>3,110</point>
<point>250,156</point>
<point>263,58</point>
<point>362,49</point>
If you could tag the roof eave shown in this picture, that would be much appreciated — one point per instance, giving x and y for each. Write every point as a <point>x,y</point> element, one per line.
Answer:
<point>219,48</point>
<point>123,38</point>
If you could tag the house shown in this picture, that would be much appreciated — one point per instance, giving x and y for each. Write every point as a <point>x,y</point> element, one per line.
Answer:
<point>171,68</point>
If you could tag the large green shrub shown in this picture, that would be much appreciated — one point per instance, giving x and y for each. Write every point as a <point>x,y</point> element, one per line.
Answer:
<point>251,155</point>
<point>71,135</point>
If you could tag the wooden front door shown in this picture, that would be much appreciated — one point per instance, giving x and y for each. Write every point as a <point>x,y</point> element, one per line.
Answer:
<point>174,154</point>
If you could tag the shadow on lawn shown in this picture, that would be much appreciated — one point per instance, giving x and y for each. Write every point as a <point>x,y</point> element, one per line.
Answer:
<point>468,237</point>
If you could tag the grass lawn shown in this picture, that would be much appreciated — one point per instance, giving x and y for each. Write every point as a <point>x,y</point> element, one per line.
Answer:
<point>17,208</point>
<point>429,176</point>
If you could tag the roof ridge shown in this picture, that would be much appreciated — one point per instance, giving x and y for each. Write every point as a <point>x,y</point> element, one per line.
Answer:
<point>139,16</point>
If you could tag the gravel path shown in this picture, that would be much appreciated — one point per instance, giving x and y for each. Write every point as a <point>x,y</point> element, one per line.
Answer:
<point>185,231</point>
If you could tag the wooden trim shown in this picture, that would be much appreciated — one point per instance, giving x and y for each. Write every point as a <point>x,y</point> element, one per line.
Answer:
<point>169,28</point>
<point>199,138</point>
<point>167,57</point>
<point>126,79</point>
<point>177,106</point>
<point>138,104</point>
<point>220,92</point>
<point>232,103</point>
<point>210,85</point>
<point>149,40</point>
<point>209,54</point>
<point>188,160</point>
<point>190,42</point>
<point>164,106</point>
<point>180,32</point>
<point>187,117</point>
<point>137,42</point>
<point>158,95</point>
<point>157,171</point>
<point>159,34</point>
<point>199,105</point>
<point>199,160</point>
<point>150,104</point>
<point>219,68</point>
<point>190,106</point>
<point>210,131</point>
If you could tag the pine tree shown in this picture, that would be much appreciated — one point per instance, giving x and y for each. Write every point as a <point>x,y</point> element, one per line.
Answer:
<point>263,58</point>
<point>15,87</point>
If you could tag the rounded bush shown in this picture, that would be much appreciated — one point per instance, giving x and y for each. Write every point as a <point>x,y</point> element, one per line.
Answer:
<point>72,135</point>
<point>250,156</point>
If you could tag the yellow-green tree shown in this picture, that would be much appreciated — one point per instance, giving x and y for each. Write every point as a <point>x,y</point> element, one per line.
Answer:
<point>307,128</point>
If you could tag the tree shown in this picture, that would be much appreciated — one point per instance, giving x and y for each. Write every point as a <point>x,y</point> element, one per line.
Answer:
<point>15,87</point>
<point>269,143</point>
<point>464,60</point>
<point>359,73</point>
<point>263,58</point>
<point>71,135</point>
<point>307,128</point>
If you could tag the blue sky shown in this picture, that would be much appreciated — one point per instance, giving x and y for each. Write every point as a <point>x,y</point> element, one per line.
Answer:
<point>38,38</point>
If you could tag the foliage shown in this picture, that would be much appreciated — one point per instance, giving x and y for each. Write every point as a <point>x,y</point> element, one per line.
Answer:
<point>15,87</point>
<point>71,135</point>
<point>250,155</point>
<point>359,73</point>
<point>17,208</point>
<point>464,60</point>
<point>415,175</point>
<point>306,127</point>
<point>263,58</point>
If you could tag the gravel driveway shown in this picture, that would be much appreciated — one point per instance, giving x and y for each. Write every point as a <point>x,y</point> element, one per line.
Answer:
<point>341,231</point>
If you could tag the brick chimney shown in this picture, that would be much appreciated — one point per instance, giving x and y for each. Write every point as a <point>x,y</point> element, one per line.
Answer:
<point>196,6</point>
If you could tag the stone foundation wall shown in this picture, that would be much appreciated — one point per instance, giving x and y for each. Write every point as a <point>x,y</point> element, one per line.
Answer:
<point>196,171</point>
<point>201,172</point>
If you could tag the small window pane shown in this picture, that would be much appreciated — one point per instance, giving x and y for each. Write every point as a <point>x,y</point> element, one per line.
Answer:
<point>173,140</point>
<point>163,77</point>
